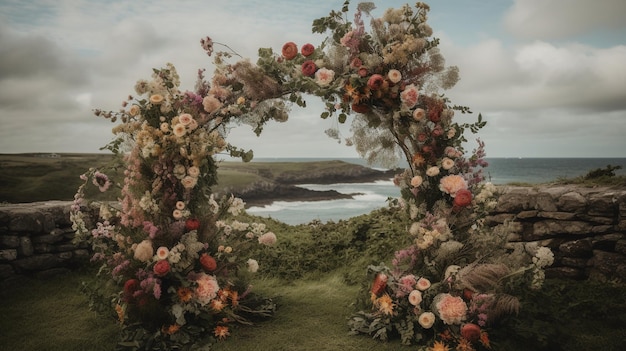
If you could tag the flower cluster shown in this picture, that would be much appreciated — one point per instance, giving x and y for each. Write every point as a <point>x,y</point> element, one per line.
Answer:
<point>176,252</point>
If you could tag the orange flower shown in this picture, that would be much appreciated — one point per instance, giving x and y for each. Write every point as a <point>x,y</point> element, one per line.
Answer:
<point>217,305</point>
<point>221,332</point>
<point>418,160</point>
<point>464,345</point>
<point>439,346</point>
<point>385,304</point>
<point>184,294</point>
<point>120,312</point>
<point>234,298</point>
<point>171,329</point>
<point>484,339</point>
<point>290,50</point>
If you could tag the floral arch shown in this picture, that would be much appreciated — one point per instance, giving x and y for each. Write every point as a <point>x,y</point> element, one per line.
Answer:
<point>178,254</point>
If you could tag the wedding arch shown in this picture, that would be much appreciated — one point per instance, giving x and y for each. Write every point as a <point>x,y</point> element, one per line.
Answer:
<point>178,255</point>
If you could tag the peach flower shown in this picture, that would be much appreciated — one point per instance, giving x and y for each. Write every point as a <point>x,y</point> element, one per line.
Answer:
<point>268,239</point>
<point>426,320</point>
<point>324,76</point>
<point>419,114</point>
<point>415,297</point>
<point>211,103</point>
<point>416,181</point>
<point>144,251</point>
<point>451,309</point>
<point>422,284</point>
<point>394,76</point>
<point>451,184</point>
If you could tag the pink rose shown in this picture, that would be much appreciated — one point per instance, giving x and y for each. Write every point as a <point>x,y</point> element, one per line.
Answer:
<point>207,288</point>
<point>451,309</point>
<point>409,95</point>
<point>161,268</point>
<point>375,82</point>
<point>452,183</point>
<point>362,71</point>
<point>324,76</point>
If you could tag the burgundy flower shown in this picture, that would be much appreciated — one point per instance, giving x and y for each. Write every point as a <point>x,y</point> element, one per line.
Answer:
<point>308,68</point>
<point>192,224</point>
<point>360,108</point>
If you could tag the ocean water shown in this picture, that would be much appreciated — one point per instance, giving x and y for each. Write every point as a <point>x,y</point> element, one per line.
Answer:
<point>374,195</point>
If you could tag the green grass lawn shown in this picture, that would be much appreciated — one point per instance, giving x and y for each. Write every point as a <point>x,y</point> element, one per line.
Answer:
<point>312,314</point>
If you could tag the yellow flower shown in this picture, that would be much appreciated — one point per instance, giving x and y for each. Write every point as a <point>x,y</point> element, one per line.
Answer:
<point>439,346</point>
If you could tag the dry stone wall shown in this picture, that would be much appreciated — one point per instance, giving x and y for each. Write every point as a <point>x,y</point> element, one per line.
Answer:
<point>36,239</point>
<point>584,227</point>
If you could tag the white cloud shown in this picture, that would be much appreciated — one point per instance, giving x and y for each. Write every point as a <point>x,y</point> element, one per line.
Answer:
<point>559,19</point>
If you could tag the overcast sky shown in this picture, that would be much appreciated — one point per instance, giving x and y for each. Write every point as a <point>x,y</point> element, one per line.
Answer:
<point>549,76</point>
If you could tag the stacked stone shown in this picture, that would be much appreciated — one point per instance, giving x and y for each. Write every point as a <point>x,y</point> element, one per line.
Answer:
<point>584,227</point>
<point>36,240</point>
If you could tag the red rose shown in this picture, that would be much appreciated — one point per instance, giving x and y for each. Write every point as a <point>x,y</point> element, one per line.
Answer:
<point>290,50</point>
<point>208,263</point>
<point>308,68</point>
<point>468,294</point>
<point>379,284</point>
<point>131,286</point>
<point>463,198</point>
<point>192,224</point>
<point>471,332</point>
<point>375,82</point>
<point>360,108</point>
<point>161,268</point>
<point>307,50</point>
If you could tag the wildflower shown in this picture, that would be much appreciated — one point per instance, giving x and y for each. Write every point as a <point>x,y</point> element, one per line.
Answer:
<point>385,304</point>
<point>439,346</point>
<point>221,332</point>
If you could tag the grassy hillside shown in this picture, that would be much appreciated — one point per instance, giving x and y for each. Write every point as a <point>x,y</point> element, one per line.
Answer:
<point>39,177</point>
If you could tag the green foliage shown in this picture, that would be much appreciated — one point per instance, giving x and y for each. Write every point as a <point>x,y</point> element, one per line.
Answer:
<point>607,172</point>
<point>345,246</point>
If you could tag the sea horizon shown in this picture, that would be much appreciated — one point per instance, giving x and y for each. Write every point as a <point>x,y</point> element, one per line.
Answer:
<point>374,195</point>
